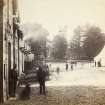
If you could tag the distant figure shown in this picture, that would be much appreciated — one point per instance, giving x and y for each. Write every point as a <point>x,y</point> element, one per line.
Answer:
<point>75,63</point>
<point>50,67</point>
<point>99,64</point>
<point>71,66</point>
<point>41,76</point>
<point>66,67</point>
<point>13,77</point>
<point>95,63</point>
<point>58,70</point>
<point>82,64</point>
<point>47,67</point>
<point>25,94</point>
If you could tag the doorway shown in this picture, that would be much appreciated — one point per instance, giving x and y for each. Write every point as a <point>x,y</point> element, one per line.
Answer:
<point>9,66</point>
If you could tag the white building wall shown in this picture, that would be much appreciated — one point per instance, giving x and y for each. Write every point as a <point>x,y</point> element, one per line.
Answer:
<point>101,57</point>
<point>20,63</point>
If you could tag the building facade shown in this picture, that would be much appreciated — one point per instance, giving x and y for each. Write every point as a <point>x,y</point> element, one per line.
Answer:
<point>11,39</point>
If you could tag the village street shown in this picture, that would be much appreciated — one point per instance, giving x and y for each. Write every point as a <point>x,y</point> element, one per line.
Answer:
<point>52,47</point>
<point>84,76</point>
<point>81,86</point>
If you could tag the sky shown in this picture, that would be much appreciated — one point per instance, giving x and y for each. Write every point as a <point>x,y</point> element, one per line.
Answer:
<point>55,14</point>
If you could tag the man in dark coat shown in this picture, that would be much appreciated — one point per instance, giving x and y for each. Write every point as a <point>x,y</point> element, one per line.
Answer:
<point>66,66</point>
<point>13,77</point>
<point>41,76</point>
<point>95,63</point>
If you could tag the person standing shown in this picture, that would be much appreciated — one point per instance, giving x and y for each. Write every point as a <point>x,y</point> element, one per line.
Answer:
<point>13,77</point>
<point>58,70</point>
<point>99,63</point>
<point>71,66</point>
<point>95,63</point>
<point>41,76</point>
<point>66,66</point>
<point>25,94</point>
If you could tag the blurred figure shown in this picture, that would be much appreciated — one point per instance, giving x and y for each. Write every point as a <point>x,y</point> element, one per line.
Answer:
<point>71,66</point>
<point>41,76</point>
<point>66,66</point>
<point>50,67</point>
<point>99,63</point>
<point>25,94</point>
<point>58,70</point>
<point>82,64</point>
<point>95,63</point>
<point>13,77</point>
<point>47,67</point>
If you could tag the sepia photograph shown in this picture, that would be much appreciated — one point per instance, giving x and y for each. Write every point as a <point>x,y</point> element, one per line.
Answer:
<point>52,52</point>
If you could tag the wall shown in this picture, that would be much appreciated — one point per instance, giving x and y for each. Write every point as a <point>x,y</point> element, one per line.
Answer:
<point>7,45</point>
<point>10,53</point>
<point>1,51</point>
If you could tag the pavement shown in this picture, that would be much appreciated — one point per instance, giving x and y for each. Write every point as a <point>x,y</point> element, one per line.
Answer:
<point>85,76</point>
<point>73,95</point>
<point>82,86</point>
<point>79,76</point>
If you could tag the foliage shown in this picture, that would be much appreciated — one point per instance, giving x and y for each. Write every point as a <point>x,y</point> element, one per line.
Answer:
<point>36,38</point>
<point>75,44</point>
<point>59,46</point>
<point>94,42</point>
<point>87,41</point>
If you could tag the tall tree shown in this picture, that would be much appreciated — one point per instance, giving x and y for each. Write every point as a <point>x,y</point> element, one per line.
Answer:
<point>59,46</point>
<point>94,42</point>
<point>75,47</point>
<point>87,42</point>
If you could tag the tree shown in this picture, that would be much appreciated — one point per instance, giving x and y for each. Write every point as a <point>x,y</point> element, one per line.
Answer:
<point>75,44</point>
<point>36,36</point>
<point>59,46</point>
<point>94,42</point>
<point>87,42</point>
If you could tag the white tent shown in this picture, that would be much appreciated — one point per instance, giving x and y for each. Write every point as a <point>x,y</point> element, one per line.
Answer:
<point>101,56</point>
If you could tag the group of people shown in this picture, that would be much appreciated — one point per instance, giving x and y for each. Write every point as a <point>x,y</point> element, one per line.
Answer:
<point>41,78</point>
<point>66,67</point>
<point>42,73</point>
<point>13,80</point>
<point>98,64</point>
